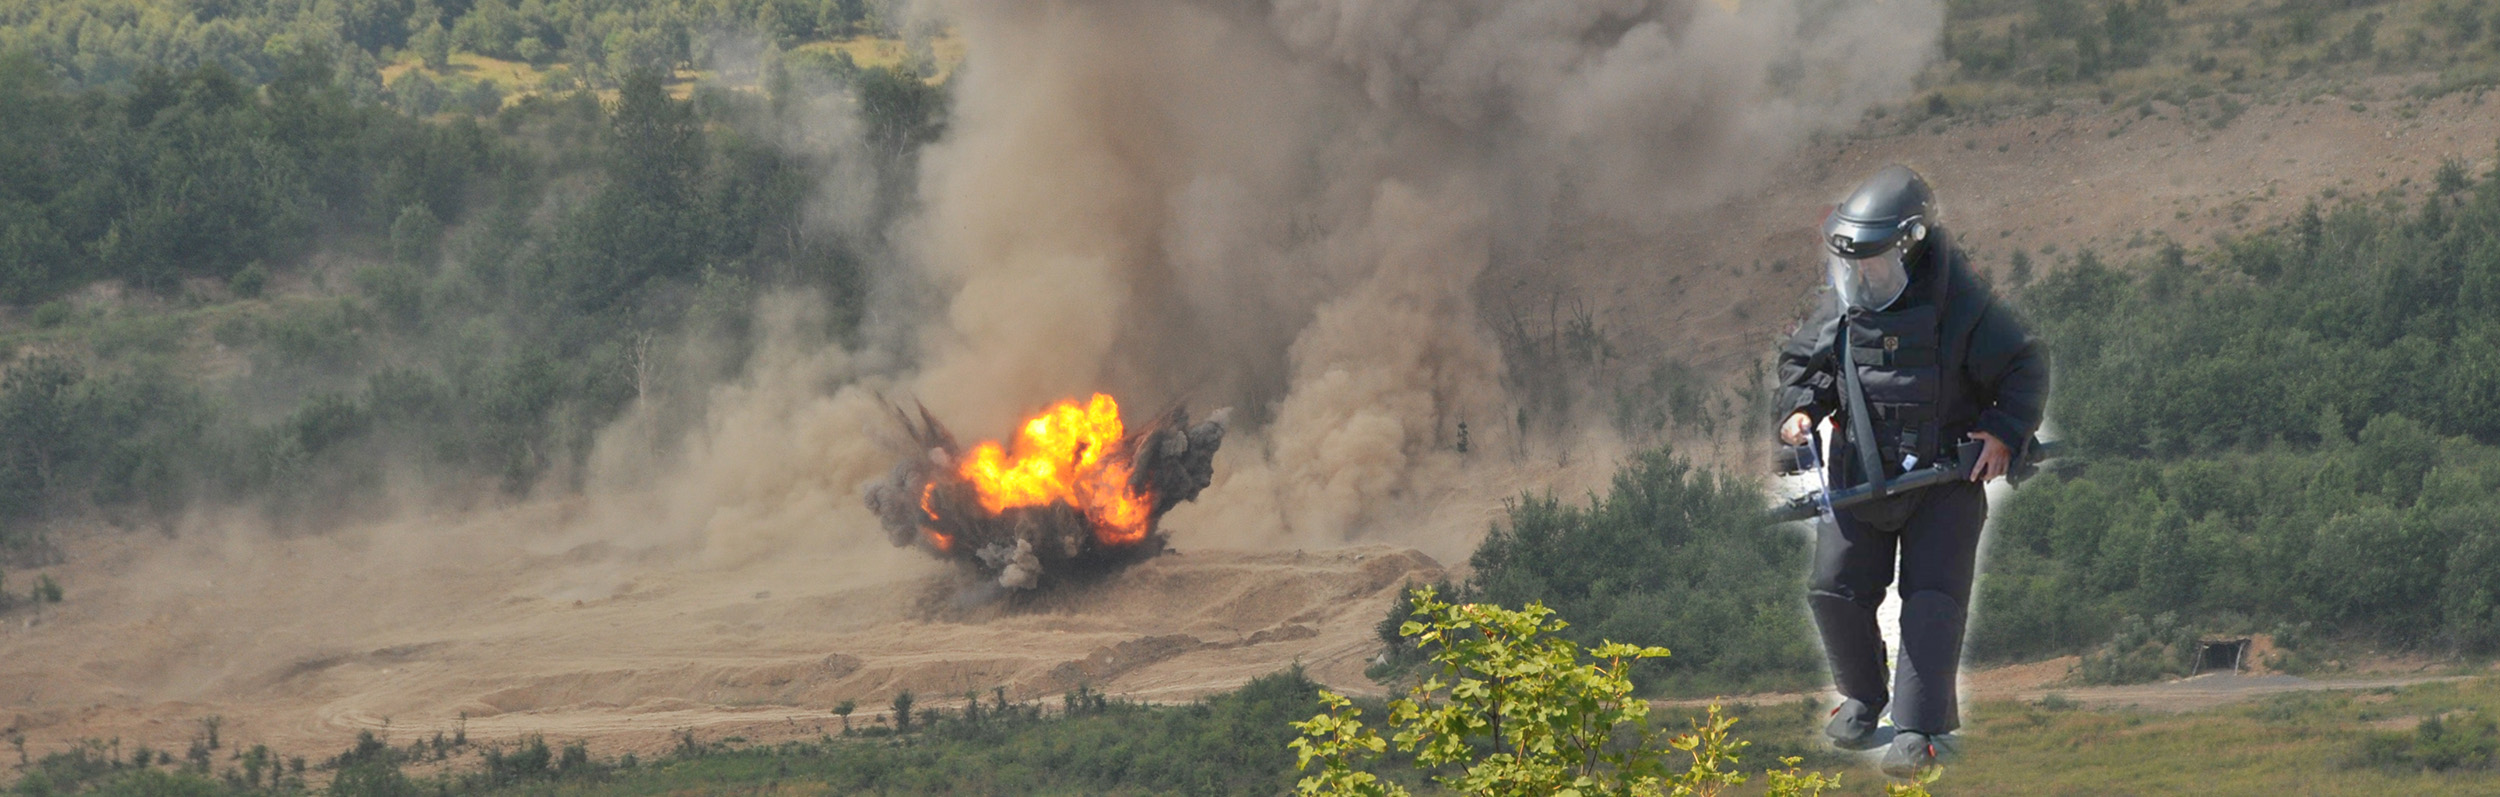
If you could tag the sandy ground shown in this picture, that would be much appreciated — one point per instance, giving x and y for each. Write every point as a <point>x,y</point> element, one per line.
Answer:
<point>329,640</point>
<point>523,623</point>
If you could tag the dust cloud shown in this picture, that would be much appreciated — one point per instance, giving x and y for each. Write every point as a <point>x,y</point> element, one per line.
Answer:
<point>1286,207</point>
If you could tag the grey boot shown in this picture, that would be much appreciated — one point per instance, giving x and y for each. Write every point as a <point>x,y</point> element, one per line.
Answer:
<point>1913,752</point>
<point>1853,726</point>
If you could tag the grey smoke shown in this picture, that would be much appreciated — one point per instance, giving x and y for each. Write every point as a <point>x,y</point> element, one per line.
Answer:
<point>1286,206</point>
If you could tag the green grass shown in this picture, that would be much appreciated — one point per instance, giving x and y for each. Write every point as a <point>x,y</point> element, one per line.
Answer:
<point>871,52</point>
<point>2302,743</point>
<point>521,79</point>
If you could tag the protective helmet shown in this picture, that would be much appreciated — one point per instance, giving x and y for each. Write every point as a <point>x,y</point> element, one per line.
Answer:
<point>1869,237</point>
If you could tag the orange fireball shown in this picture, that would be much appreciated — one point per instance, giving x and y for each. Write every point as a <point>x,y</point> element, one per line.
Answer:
<point>1069,454</point>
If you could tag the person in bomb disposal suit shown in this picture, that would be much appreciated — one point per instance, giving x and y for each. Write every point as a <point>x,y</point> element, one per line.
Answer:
<point>1936,359</point>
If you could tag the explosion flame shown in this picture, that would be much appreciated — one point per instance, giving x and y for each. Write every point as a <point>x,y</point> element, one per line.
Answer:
<point>1064,455</point>
<point>1072,488</point>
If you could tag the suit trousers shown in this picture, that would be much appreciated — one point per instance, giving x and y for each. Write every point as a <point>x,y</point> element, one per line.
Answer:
<point>1931,539</point>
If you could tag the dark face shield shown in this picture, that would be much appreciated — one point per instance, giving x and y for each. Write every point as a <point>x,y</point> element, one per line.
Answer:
<point>1869,283</point>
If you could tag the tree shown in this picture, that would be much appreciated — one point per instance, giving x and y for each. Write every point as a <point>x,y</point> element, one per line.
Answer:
<point>658,141</point>
<point>39,430</point>
<point>2470,598</point>
<point>902,711</point>
<point>648,222</point>
<point>416,94</point>
<point>903,110</point>
<point>415,236</point>
<point>843,710</point>
<point>434,46</point>
<point>1514,711</point>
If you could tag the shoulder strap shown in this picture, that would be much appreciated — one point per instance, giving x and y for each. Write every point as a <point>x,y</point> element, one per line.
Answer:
<point>1861,429</point>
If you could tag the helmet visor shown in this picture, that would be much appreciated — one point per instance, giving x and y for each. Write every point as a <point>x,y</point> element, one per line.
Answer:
<point>1869,283</point>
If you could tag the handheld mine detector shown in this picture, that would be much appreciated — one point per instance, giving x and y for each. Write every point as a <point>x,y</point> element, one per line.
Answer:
<point>1807,458</point>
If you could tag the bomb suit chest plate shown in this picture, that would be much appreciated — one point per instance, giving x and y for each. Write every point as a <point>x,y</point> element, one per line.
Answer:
<point>1898,358</point>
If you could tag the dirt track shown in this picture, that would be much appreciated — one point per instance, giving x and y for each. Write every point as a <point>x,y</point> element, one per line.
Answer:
<point>2213,689</point>
<point>2037,681</point>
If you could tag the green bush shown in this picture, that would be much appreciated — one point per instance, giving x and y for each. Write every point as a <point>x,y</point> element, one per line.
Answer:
<point>50,314</point>
<point>250,282</point>
<point>2141,651</point>
<point>1511,709</point>
<point>416,236</point>
<point>2438,744</point>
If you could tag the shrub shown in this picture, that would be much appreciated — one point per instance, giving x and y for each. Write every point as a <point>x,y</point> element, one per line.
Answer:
<point>50,314</point>
<point>1513,710</point>
<point>2439,744</point>
<point>2141,652</point>
<point>251,282</point>
<point>415,235</point>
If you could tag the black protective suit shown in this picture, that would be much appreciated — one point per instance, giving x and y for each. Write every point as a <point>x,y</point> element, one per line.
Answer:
<point>1942,361</point>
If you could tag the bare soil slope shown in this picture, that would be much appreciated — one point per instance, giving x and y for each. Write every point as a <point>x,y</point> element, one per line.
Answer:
<point>2082,176</point>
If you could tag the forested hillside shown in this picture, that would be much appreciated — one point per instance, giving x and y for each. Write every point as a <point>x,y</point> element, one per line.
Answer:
<point>274,293</point>
<point>2292,431</point>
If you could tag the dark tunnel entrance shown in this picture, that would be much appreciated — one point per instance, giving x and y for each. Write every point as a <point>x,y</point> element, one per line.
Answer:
<point>2221,655</point>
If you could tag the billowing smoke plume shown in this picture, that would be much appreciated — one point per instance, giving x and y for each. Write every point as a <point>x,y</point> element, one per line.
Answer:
<point>1286,206</point>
